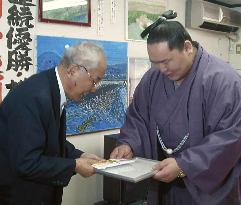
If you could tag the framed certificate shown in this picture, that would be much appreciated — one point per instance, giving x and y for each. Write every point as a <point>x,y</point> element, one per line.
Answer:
<point>134,170</point>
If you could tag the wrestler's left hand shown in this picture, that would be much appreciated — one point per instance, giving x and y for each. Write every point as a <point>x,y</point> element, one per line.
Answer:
<point>166,170</point>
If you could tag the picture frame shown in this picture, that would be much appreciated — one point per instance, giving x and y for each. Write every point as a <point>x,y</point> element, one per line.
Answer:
<point>134,170</point>
<point>0,8</point>
<point>104,109</point>
<point>140,14</point>
<point>75,12</point>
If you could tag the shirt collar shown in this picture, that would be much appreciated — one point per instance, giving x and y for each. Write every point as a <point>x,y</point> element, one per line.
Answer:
<point>63,99</point>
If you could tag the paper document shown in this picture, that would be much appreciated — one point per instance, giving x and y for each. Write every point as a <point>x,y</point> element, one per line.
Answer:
<point>133,170</point>
<point>111,163</point>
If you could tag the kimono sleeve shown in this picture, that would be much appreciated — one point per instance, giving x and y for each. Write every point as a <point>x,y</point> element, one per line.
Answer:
<point>135,129</point>
<point>213,167</point>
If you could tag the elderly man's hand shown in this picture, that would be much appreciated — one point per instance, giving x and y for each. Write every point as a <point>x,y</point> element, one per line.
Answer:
<point>84,166</point>
<point>166,170</point>
<point>90,156</point>
<point>122,151</point>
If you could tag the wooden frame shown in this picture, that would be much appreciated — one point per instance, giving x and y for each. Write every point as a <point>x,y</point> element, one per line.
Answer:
<point>50,11</point>
<point>1,8</point>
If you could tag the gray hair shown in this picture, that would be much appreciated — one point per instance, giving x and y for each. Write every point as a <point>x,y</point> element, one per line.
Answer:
<point>87,54</point>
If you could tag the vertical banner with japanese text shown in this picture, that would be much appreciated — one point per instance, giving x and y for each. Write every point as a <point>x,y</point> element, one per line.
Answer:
<point>18,19</point>
<point>1,72</point>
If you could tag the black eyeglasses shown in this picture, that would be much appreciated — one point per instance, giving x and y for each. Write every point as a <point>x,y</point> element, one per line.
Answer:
<point>96,85</point>
<point>170,14</point>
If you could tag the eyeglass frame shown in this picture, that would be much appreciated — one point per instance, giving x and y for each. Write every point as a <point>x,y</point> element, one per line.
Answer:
<point>90,77</point>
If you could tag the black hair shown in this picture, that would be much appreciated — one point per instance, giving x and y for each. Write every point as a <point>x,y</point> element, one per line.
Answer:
<point>171,31</point>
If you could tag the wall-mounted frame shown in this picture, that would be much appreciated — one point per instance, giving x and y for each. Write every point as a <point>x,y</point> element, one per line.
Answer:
<point>77,12</point>
<point>103,110</point>
<point>0,8</point>
<point>140,14</point>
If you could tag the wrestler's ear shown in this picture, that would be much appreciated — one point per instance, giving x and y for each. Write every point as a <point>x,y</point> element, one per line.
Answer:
<point>188,47</point>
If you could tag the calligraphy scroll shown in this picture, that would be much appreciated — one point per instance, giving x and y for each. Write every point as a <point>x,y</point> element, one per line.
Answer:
<point>1,76</point>
<point>20,20</point>
<point>100,17</point>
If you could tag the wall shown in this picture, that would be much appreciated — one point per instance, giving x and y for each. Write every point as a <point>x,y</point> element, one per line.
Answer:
<point>234,57</point>
<point>87,191</point>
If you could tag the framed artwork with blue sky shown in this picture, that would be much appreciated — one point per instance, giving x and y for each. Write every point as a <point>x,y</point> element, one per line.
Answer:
<point>103,110</point>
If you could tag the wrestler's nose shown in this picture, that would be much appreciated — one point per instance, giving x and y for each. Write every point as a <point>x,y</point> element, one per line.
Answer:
<point>161,67</point>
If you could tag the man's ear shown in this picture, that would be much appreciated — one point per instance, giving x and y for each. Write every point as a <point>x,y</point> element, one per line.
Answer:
<point>188,47</point>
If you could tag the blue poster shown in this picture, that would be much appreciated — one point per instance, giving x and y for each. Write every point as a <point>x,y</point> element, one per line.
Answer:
<point>103,110</point>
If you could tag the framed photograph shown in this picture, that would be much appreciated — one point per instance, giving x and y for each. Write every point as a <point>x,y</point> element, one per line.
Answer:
<point>103,110</point>
<point>137,68</point>
<point>134,170</point>
<point>77,12</point>
<point>140,14</point>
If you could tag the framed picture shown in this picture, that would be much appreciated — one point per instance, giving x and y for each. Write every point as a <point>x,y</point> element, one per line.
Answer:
<point>0,8</point>
<point>103,110</point>
<point>77,12</point>
<point>140,14</point>
<point>137,68</point>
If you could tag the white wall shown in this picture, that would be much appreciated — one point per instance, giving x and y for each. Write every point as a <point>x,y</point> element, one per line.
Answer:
<point>234,58</point>
<point>87,191</point>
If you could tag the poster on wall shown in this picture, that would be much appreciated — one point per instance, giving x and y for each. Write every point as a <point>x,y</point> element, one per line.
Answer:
<point>76,12</point>
<point>137,68</point>
<point>16,34</point>
<point>140,14</point>
<point>103,110</point>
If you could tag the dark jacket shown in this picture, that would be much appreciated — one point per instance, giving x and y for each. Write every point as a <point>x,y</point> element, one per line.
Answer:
<point>36,161</point>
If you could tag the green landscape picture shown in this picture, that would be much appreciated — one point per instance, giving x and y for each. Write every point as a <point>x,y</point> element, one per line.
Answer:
<point>66,10</point>
<point>142,13</point>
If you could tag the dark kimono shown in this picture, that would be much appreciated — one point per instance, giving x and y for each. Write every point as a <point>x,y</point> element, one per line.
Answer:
<point>207,105</point>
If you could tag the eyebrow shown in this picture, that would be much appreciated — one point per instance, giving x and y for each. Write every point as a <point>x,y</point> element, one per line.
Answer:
<point>156,62</point>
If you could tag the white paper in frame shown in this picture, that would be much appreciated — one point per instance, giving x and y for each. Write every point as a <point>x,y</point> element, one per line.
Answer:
<point>134,172</point>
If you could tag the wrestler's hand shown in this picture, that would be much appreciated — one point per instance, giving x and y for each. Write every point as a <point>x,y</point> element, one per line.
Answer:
<point>166,170</point>
<point>90,156</point>
<point>83,166</point>
<point>122,151</point>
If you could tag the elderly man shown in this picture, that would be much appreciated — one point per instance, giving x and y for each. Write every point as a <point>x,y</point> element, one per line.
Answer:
<point>36,160</point>
<point>186,113</point>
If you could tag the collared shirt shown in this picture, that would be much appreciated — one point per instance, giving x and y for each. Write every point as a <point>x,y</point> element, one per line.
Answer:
<point>63,99</point>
